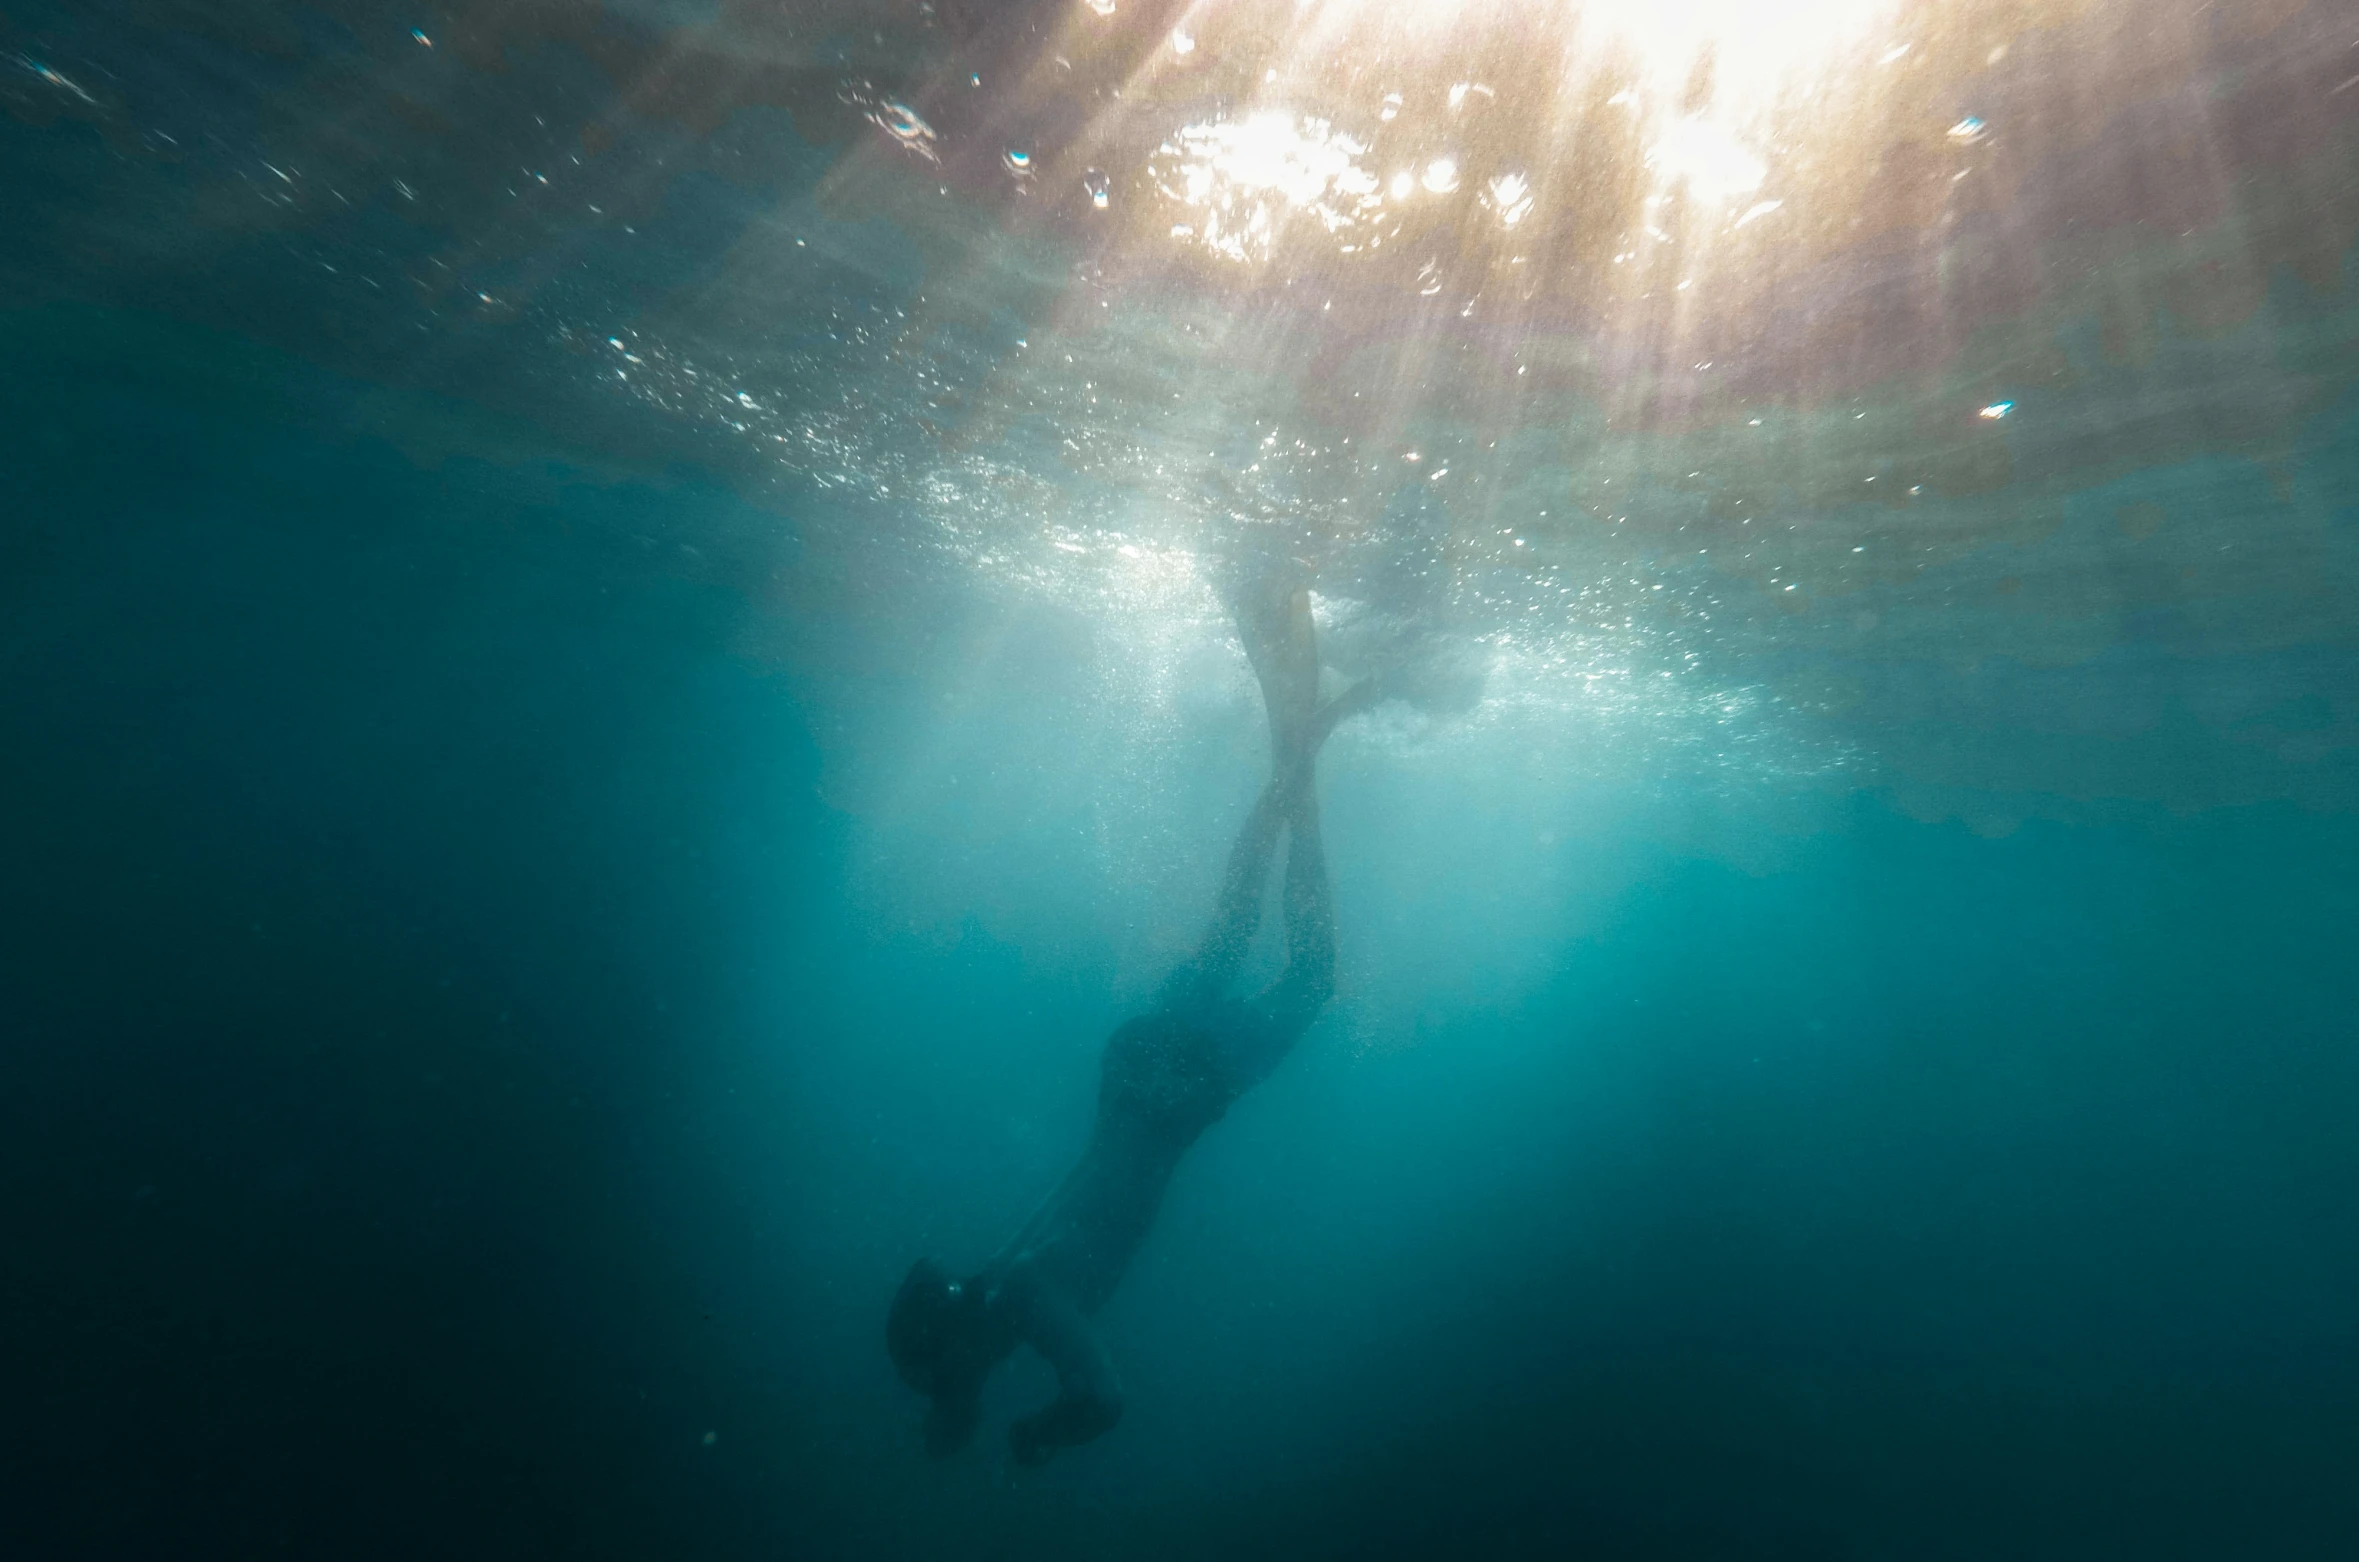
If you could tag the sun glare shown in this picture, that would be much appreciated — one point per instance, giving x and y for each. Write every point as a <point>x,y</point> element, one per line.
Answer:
<point>1707,158</point>
<point>1239,182</point>
<point>1704,92</point>
<point>1756,47</point>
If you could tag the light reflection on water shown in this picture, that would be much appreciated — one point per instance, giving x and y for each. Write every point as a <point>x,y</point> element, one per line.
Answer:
<point>1239,182</point>
<point>1744,381</point>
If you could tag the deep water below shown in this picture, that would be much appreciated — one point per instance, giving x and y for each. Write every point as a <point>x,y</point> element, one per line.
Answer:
<point>459,1098</point>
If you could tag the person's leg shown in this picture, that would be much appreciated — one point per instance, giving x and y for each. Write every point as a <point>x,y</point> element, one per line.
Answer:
<point>1289,1005</point>
<point>1308,981</point>
<point>1274,622</point>
<point>1273,619</point>
<point>1236,915</point>
<point>1265,1028</point>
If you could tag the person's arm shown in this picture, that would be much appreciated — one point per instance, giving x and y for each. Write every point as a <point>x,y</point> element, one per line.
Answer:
<point>1089,1397</point>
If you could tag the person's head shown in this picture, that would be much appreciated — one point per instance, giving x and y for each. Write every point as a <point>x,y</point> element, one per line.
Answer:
<point>934,1334</point>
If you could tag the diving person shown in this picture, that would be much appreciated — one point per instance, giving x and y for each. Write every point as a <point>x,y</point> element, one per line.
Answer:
<point>1166,1076</point>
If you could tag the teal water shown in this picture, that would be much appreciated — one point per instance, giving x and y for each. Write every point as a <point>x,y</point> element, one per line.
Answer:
<point>532,902</point>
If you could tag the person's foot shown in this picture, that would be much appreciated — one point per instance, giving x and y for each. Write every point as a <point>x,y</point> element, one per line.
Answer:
<point>1369,691</point>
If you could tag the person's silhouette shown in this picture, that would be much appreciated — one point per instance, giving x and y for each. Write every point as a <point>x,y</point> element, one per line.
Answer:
<point>1167,1076</point>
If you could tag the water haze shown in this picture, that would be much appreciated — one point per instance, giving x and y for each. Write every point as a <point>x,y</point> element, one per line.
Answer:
<point>612,671</point>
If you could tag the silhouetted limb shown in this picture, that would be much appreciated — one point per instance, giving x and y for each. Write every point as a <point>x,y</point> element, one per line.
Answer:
<point>1089,1398</point>
<point>1236,914</point>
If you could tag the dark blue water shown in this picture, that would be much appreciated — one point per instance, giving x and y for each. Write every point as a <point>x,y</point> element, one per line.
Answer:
<point>528,908</point>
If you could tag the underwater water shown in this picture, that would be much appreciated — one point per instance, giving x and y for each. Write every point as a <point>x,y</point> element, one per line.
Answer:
<point>612,674</point>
